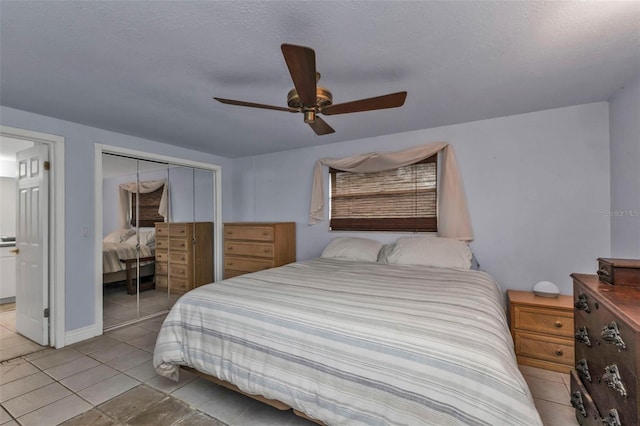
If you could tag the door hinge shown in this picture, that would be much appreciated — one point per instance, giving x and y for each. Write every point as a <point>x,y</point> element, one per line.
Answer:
<point>47,165</point>
<point>46,312</point>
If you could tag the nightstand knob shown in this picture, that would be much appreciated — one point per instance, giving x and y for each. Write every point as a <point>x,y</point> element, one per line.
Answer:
<point>558,324</point>
<point>559,352</point>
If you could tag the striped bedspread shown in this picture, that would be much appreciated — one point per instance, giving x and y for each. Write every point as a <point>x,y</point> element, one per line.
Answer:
<point>113,252</point>
<point>353,343</point>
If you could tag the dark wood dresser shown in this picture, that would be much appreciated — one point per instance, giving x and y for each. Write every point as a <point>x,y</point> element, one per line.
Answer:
<point>604,384</point>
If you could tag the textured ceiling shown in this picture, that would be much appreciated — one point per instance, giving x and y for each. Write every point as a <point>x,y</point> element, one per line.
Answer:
<point>150,69</point>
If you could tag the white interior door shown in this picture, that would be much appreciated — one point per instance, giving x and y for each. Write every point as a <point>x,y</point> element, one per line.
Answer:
<point>32,241</point>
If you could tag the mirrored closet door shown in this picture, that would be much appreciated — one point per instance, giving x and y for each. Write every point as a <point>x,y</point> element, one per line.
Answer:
<point>158,236</point>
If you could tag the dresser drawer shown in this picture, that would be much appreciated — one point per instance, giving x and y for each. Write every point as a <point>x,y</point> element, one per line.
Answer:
<point>177,284</point>
<point>240,248</point>
<point>254,233</point>
<point>173,257</point>
<point>178,270</point>
<point>246,265</point>
<point>552,349</point>
<point>586,412</point>
<point>542,320</point>
<point>174,244</point>
<point>171,229</point>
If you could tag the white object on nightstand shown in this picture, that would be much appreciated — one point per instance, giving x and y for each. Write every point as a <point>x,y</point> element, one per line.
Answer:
<point>546,289</point>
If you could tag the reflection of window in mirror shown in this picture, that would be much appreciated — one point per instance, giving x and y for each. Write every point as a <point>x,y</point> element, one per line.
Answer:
<point>148,207</point>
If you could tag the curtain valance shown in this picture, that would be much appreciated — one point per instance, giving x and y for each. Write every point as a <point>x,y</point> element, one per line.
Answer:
<point>453,215</point>
<point>142,187</point>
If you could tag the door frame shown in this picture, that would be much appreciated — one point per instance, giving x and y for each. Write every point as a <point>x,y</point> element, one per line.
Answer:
<point>56,249</point>
<point>101,149</point>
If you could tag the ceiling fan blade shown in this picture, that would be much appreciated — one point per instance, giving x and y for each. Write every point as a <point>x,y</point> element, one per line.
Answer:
<point>253,105</point>
<point>321,127</point>
<point>301,62</point>
<point>392,100</point>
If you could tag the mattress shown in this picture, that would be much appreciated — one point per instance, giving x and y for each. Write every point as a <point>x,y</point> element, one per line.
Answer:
<point>354,343</point>
<point>113,252</point>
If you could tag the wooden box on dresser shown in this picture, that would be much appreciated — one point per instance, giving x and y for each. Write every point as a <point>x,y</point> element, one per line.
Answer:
<point>184,255</point>
<point>604,384</point>
<point>255,246</point>
<point>542,330</point>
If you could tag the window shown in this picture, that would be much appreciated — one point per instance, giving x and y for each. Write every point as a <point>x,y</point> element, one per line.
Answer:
<point>403,199</point>
<point>148,208</point>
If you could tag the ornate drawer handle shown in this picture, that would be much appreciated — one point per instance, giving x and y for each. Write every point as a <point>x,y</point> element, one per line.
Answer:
<point>612,378</point>
<point>612,419</point>
<point>582,336</point>
<point>230,248</point>
<point>581,304</point>
<point>611,334</point>
<point>603,271</point>
<point>583,370</point>
<point>576,402</point>
<point>559,352</point>
<point>558,324</point>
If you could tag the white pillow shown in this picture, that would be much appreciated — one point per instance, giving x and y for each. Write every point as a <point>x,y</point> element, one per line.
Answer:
<point>431,251</point>
<point>352,248</point>
<point>119,236</point>
<point>147,238</point>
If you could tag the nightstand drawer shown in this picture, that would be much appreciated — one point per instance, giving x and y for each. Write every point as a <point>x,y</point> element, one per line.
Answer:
<point>542,320</point>
<point>545,348</point>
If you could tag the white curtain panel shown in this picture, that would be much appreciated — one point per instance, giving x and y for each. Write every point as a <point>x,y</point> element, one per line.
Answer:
<point>142,187</point>
<point>453,214</point>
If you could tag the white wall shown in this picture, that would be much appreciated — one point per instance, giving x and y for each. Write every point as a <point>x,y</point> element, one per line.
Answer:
<point>79,144</point>
<point>537,186</point>
<point>624,122</point>
<point>8,198</point>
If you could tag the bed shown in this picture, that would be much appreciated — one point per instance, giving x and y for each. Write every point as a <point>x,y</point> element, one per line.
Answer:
<point>349,342</point>
<point>121,245</point>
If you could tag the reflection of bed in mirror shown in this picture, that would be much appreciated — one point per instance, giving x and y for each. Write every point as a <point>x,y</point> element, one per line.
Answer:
<point>118,250</point>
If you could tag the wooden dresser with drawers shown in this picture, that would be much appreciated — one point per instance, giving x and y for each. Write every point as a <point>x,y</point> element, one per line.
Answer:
<point>604,385</point>
<point>184,255</point>
<point>255,246</point>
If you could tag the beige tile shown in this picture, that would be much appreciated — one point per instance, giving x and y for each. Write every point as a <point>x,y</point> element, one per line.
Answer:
<point>552,376</point>
<point>70,368</point>
<point>35,399</point>
<point>126,334</point>
<point>145,341</point>
<point>40,354</point>
<point>116,351</point>
<point>554,414</point>
<point>130,360</point>
<point>24,385</point>
<point>56,413</point>
<point>548,390</point>
<point>93,417</point>
<point>198,418</point>
<point>198,392</point>
<point>229,406</point>
<point>100,343</point>
<point>25,347</point>
<point>107,389</point>
<point>142,372</point>
<point>4,416</point>
<point>16,369</point>
<point>88,377</point>
<point>166,412</point>
<point>265,415</point>
<point>167,385</point>
<point>153,324</point>
<point>56,357</point>
<point>131,403</point>
<point>11,423</point>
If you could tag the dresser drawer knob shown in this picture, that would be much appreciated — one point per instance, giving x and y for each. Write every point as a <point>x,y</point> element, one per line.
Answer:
<point>612,419</point>
<point>582,336</point>
<point>559,352</point>
<point>576,402</point>
<point>558,324</point>
<point>582,367</point>
<point>581,304</point>
<point>612,378</point>
<point>611,335</point>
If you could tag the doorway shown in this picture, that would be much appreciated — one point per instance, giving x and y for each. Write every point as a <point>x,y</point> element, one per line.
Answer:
<point>159,219</point>
<point>31,231</point>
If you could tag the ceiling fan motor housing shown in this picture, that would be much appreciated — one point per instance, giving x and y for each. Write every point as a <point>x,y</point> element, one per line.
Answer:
<point>324,98</point>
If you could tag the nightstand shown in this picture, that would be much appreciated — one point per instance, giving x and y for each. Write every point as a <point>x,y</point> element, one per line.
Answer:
<point>542,330</point>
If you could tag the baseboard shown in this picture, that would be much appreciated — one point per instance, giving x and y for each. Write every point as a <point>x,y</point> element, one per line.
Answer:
<point>7,300</point>
<point>80,334</point>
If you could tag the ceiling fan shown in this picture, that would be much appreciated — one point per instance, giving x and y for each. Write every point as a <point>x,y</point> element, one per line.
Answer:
<point>310,99</point>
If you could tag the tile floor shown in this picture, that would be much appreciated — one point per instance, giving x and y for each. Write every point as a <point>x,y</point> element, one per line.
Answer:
<point>120,307</point>
<point>110,380</point>
<point>12,344</point>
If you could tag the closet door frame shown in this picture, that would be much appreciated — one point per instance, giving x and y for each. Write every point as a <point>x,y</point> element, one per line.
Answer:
<point>101,149</point>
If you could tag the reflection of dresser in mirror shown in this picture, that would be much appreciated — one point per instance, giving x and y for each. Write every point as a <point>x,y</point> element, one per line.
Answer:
<point>184,255</point>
